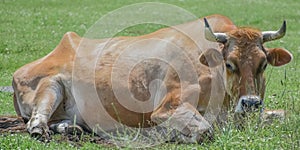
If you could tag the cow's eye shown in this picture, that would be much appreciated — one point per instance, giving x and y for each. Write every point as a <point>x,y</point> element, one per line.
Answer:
<point>263,67</point>
<point>230,67</point>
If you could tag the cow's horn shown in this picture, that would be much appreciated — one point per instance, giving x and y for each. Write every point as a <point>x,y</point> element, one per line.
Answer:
<point>274,35</point>
<point>214,37</point>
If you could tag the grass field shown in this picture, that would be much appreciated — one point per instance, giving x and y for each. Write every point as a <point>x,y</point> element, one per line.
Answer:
<point>31,29</point>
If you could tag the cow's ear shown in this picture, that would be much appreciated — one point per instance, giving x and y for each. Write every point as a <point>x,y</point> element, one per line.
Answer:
<point>278,56</point>
<point>211,58</point>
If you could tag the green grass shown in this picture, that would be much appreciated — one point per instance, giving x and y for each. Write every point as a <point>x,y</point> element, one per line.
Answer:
<point>31,29</point>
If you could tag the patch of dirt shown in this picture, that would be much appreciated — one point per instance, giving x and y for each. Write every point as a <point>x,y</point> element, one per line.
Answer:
<point>8,89</point>
<point>12,124</point>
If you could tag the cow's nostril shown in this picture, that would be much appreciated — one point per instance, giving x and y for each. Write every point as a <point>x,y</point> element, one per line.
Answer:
<point>243,102</point>
<point>258,104</point>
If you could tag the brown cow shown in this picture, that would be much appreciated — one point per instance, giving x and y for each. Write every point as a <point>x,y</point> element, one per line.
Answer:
<point>173,75</point>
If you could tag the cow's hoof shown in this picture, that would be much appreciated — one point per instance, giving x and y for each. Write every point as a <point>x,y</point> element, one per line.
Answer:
<point>37,133</point>
<point>40,134</point>
<point>74,130</point>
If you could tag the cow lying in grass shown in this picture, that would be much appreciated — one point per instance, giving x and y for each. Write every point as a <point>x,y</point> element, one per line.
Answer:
<point>56,91</point>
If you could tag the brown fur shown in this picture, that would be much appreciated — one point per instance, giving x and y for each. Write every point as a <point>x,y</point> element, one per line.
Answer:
<point>44,94</point>
<point>245,34</point>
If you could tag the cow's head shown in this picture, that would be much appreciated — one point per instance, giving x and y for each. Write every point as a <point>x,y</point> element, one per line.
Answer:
<point>245,59</point>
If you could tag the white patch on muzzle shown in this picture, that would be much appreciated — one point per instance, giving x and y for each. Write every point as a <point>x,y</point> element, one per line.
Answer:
<point>239,107</point>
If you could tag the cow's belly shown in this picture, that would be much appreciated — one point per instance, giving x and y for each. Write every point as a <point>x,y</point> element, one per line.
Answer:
<point>98,106</point>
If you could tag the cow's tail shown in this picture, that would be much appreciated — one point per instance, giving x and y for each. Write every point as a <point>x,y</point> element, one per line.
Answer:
<point>16,105</point>
<point>17,109</point>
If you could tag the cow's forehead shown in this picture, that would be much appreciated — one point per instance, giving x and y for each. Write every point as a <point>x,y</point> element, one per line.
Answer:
<point>244,42</point>
<point>240,53</point>
<point>245,34</point>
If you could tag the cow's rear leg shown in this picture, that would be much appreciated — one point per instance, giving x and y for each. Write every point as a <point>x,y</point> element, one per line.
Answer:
<point>47,99</point>
<point>66,127</point>
<point>184,118</point>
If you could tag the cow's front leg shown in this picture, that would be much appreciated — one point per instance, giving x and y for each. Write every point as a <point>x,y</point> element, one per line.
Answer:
<point>47,99</point>
<point>186,119</point>
<point>37,127</point>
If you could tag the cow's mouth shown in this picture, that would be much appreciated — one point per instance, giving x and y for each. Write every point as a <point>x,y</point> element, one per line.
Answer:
<point>248,104</point>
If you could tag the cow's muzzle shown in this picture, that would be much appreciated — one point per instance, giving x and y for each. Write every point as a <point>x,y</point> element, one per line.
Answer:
<point>249,103</point>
